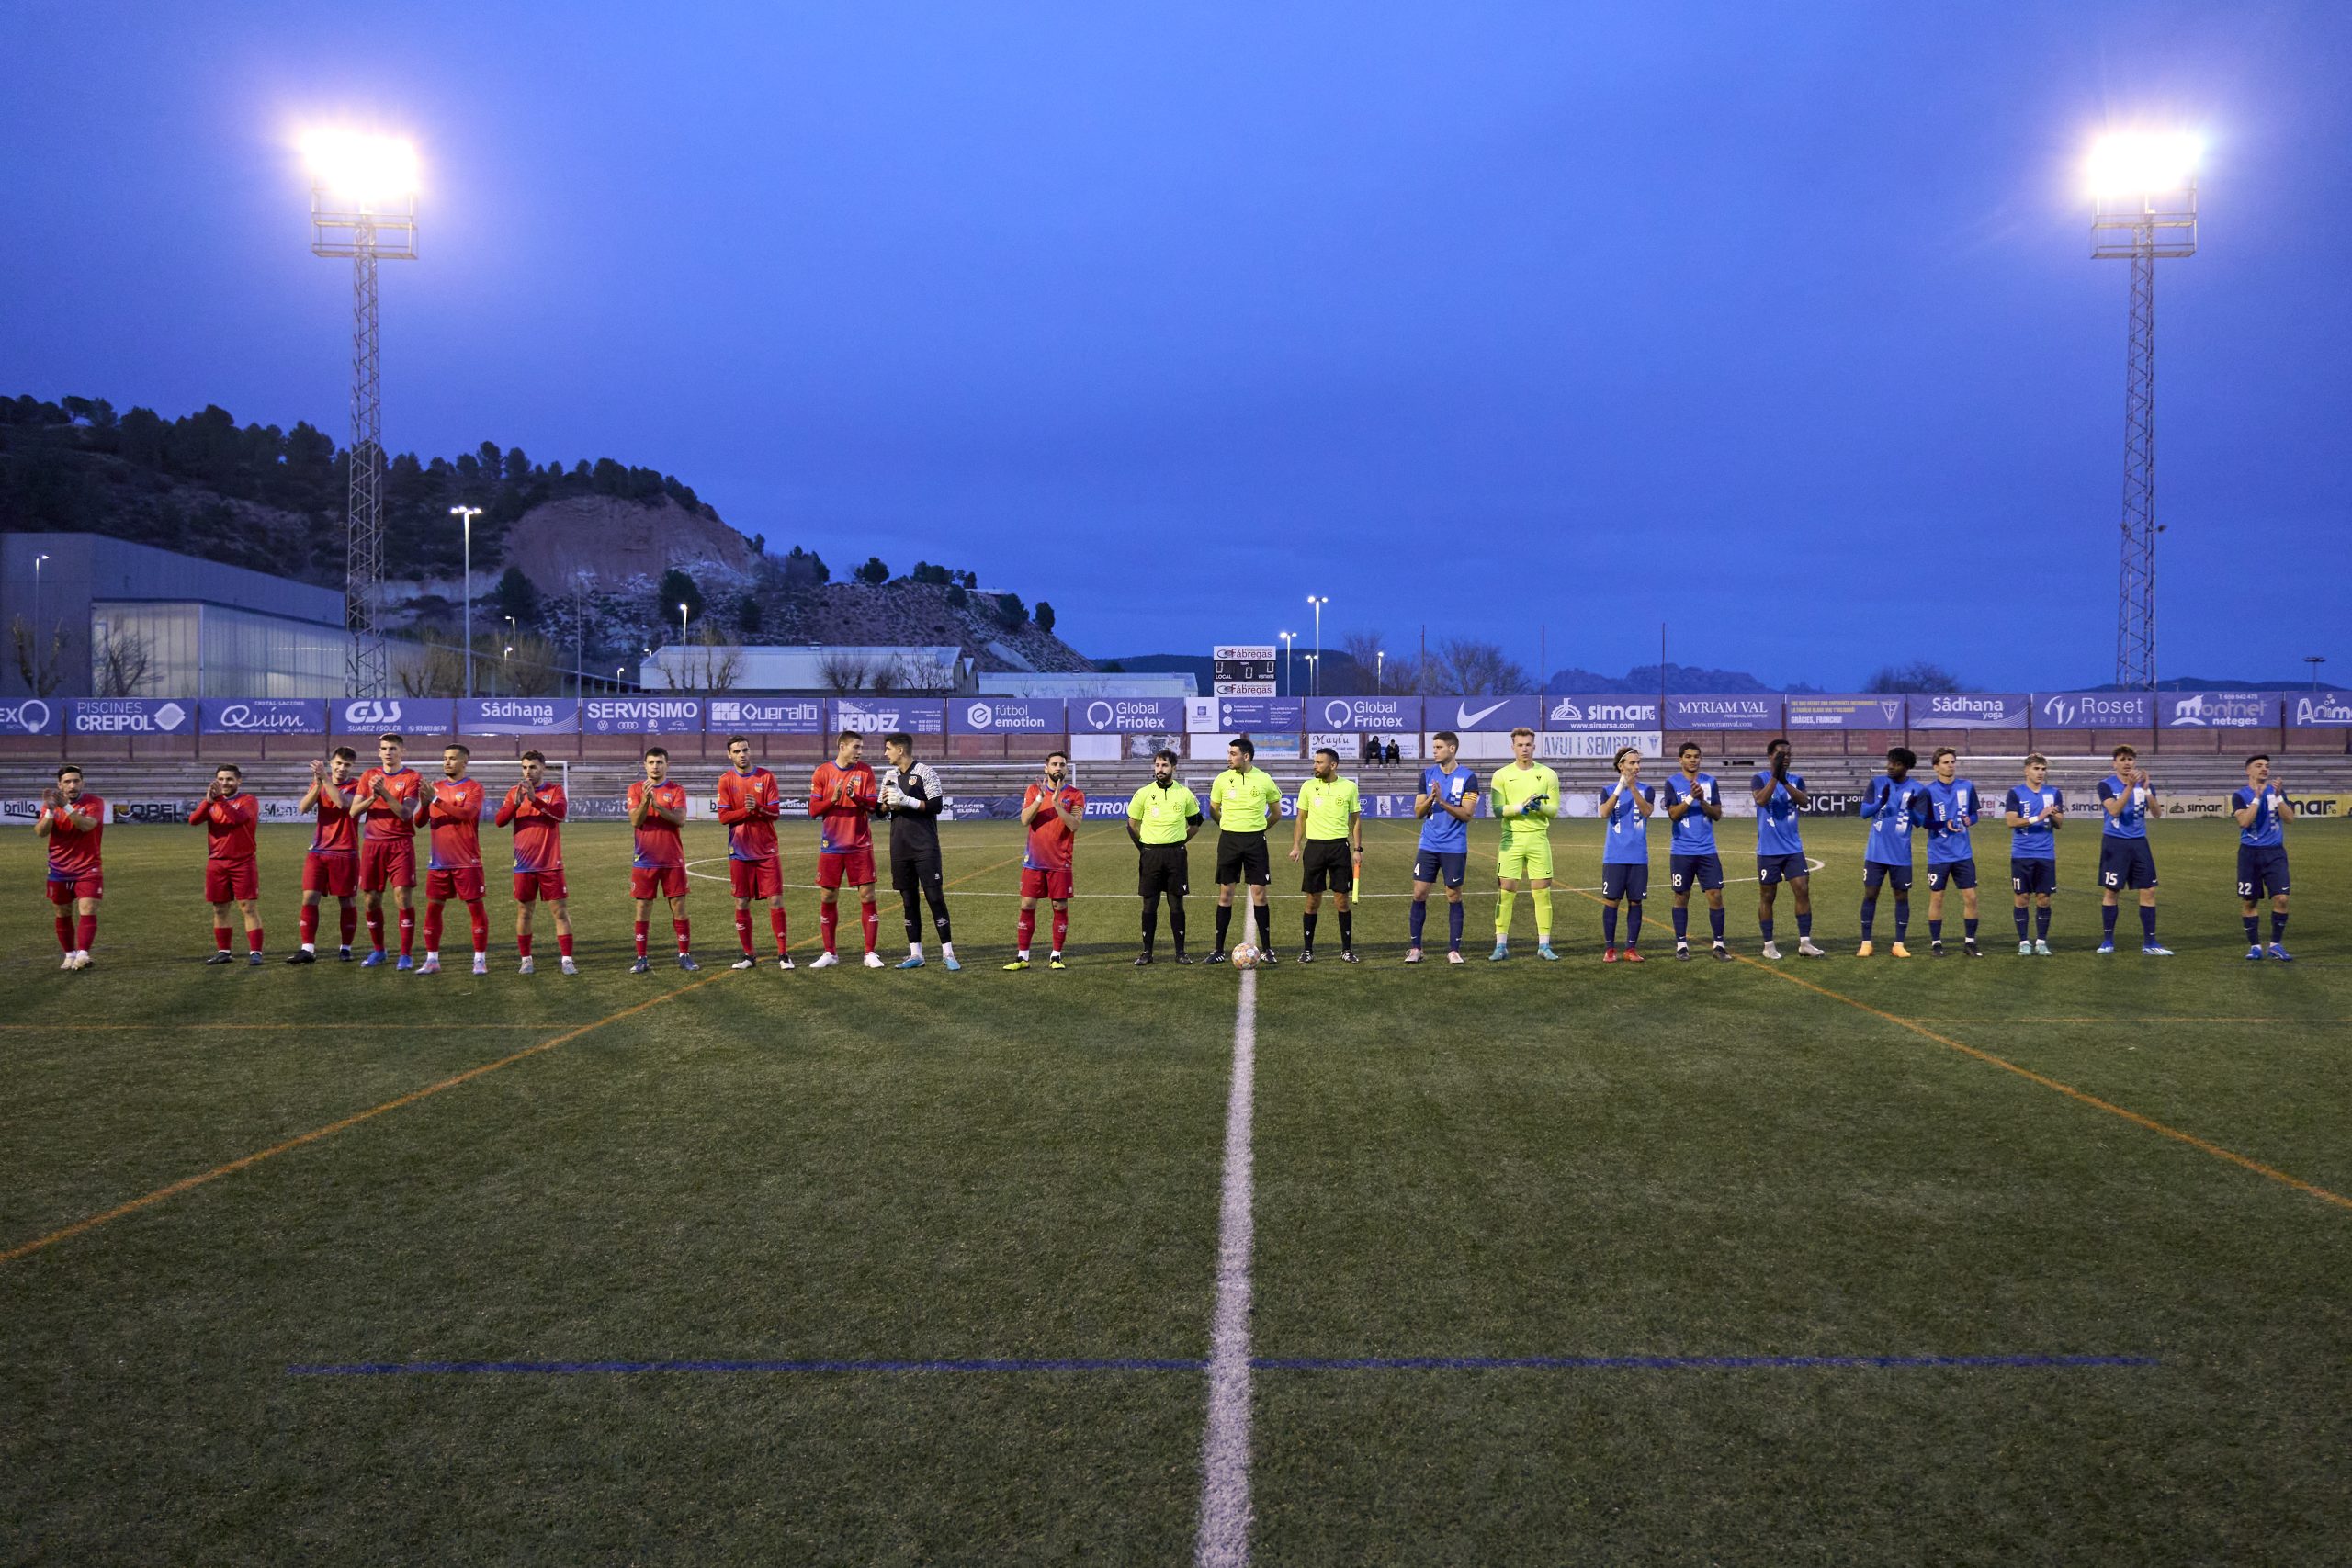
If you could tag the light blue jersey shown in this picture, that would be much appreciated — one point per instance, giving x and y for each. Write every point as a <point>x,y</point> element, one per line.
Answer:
<point>1627,841</point>
<point>2132,822</point>
<point>2270,825</point>
<point>1443,832</point>
<point>1893,808</point>
<point>1953,810</point>
<point>1777,829</point>
<point>2038,841</point>
<point>1695,832</point>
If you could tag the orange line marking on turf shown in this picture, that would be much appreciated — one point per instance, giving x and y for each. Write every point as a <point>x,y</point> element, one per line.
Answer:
<point>2314,1021</point>
<point>185,1183</point>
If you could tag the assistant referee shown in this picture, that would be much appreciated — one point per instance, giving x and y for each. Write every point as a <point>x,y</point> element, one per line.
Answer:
<point>1162,817</point>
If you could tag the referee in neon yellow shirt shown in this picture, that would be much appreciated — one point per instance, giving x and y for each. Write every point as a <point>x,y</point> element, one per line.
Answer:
<point>1526,798</point>
<point>1243,799</point>
<point>1162,817</point>
<point>1326,839</point>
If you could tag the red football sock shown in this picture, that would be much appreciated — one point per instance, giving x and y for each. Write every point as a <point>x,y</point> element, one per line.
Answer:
<point>307,924</point>
<point>432,929</point>
<point>86,933</point>
<point>642,927</point>
<point>871,923</point>
<point>64,934</point>
<point>220,939</point>
<point>563,943</point>
<point>681,927</point>
<point>776,924</point>
<point>376,930</point>
<point>1061,928</point>
<point>523,944</point>
<point>253,939</point>
<point>1023,929</point>
<point>829,920</point>
<point>408,931</point>
<point>480,919</point>
<point>743,929</point>
<point>351,925</point>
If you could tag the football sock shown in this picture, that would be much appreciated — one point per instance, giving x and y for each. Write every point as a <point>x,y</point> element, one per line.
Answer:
<point>641,927</point>
<point>1061,929</point>
<point>777,927</point>
<point>64,934</point>
<point>376,930</point>
<point>1805,925</point>
<point>522,943</point>
<point>1542,899</point>
<point>2107,920</point>
<point>1224,924</point>
<point>2278,929</point>
<point>683,930</point>
<point>1681,922</point>
<point>253,939</point>
<point>1902,918</point>
<point>1968,927</point>
<point>432,929</point>
<point>2041,920</point>
<point>910,916</point>
<point>220,939</point>
<point>1936,929</point>
<point>2253,929</point>
<point>350,924</point>
<point>85,931</point>
<point>2148,922</point>
<point>1609,925</point>
<point>937,898</point>
<point>828,923</point>
<point>2021,913</point>
<point>869,921</point>
<point>1306,931</point>
<point>1176,920</point>
<point>1870,914</point>
<point>1633,924</point>
<point>1419,913</point>
<point>1764,927</point>
<point>408,931</point>
<point>744,930</point>
<point>1715,923</point>
<point>1347,929</point>
<point>1024,928</point>
<point>1453,925</point>
<point>1151,918</point>
<point>563,944</point>
<point>478,921</point>
<point>307,924</point>
<point>1504,902</point>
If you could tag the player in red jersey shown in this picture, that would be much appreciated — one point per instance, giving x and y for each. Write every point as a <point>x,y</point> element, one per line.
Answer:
<point>232,821</point>
<point>453,865</point>
<point>536,809</point>
<point>1051,809</point>
<point>74,822</point>
<point>332,867</point>
<point>657,808</point>
<point>746,800</point>
<point>841,796</point>
<point>392,795</point>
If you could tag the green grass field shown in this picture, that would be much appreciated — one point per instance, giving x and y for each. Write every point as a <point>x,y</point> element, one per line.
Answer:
<point>1546,1161</point>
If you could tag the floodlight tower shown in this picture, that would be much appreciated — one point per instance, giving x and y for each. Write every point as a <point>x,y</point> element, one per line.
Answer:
<point>363,204</point>
<point>2143,193</point>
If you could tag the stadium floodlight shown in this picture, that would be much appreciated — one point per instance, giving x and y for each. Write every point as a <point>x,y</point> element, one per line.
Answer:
<point>682,623</point>
<point>363,204</point>
<point>467,514</point>
<point>2314,660</point>
<point>1380,670</point>
<point>2143,207</point>
<point>37,560</point>
<point>1313,679</point>
<point>1288,638</point>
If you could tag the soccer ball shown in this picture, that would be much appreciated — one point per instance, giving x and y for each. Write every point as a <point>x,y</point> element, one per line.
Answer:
<point>1245,956</point>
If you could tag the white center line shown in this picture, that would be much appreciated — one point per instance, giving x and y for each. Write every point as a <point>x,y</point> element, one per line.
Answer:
<point>1225,1442</point>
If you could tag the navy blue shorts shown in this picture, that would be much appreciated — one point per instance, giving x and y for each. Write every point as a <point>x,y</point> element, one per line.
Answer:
<point>2262,871</point>
<point>1950,872</point>
<point>1875,872</point>
<point>2125,862</point>
<point>2033,876</point>
<point>1446,865</point>
<point>1704,871</point>
<point>1627,881</point>
<point>1770,869</point>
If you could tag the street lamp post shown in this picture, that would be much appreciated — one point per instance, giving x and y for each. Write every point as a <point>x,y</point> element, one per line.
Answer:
<point>363,204</point>
<point>1380,672</point>
<point>1315,665</point>
<point>2314,660</point>
<point>37,560</point>
<point>2143,192</point>
<point>1287,638</point>
<point>467,515</point>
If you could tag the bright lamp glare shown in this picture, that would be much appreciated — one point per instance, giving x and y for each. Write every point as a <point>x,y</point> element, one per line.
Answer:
<point>362,169</point>
<point>2144,162</point>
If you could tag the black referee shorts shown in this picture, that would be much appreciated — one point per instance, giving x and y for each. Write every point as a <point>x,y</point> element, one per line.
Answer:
<point>1161,868</point>
<point>1327,865</point>
<point>1242,857</point>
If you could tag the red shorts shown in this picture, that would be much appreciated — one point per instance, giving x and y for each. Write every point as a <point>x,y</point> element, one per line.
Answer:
<point>225,882</point>
<point>333,874</point>
<point>459,882</point>
<point>758,878</point>
<point>387,862</point>
<point>854,867</point>
<point>63,890</point>
<point>531,886</point>
<point>1045,883</point>
<point>657,882</point>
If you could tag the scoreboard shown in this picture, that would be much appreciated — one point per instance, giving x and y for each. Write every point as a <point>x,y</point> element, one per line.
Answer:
<point>1242,670</point>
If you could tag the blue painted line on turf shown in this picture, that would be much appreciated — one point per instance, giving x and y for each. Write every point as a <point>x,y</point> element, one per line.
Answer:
<point>1261,1363</point>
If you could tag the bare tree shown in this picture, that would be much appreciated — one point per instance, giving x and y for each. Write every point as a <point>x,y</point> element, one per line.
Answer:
<point>43,669</point>
<point>125,663</point>
<point>1919,675</point>
<point>705,665</point>
<point>531,670</point>
<point>434,667</point>
<point>1466,667</point>
<point>844,671</point>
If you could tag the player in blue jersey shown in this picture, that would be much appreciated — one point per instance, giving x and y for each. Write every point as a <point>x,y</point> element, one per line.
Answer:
<point>1694,803</point>
<point>1893,806</point>
<point>2125,859</point>
<point>1953,807</point>
<point>1446,801</point>
<point>2262,811</point>
<point>1780,848</point>
<point>2035,810</point>
<point>1625,856</point>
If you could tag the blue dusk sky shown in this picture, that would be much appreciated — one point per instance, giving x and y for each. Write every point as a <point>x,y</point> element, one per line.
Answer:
<point>1776,322</point>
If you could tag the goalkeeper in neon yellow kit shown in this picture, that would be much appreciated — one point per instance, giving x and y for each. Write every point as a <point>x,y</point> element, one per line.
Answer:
<point>1526,798</point>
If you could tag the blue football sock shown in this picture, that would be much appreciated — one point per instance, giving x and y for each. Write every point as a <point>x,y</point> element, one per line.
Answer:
<point>1681,923</point>
<point>1870,913</point>
<point>2021,912</point>
<point>2042,922</point>
<point>1765,927</point>
<point>1902,918</point>
<point>1715,923</point>
<point>1632,925</point>
<point>1805,925</point>
<point>1453,925</point>
<point>1609,925</point>
<point>2107,913</point>
<point>1421,912</point>
<point>1935,930</point>
<point>2147,922</point>
<point>2277,927</point>
<point>2253,929</point>
<point>1968,927</point>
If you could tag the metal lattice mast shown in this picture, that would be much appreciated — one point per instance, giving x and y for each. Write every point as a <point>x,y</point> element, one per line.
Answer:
<point>363,574</point>
<point>363,204</point>
<point>2135,623</point>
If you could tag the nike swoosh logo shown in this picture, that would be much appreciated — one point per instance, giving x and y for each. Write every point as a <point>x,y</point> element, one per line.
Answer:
<point>1465,719</point>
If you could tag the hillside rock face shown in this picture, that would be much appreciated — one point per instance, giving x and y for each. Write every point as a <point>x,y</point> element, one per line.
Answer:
<point>617,540</point>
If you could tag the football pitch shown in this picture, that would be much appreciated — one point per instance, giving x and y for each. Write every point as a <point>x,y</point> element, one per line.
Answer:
<point>1962,1261</point>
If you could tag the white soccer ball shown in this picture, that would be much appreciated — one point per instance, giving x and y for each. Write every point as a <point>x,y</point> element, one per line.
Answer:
<point>1245,956</point>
